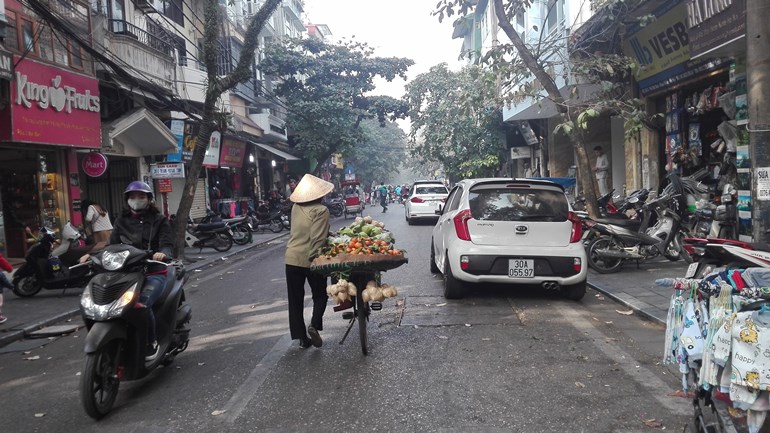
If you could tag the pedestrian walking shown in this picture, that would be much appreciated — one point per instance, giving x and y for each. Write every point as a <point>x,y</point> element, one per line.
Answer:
<point>309,229</point>
<point>97,222</point>
<point>383,190</point>
<point>4,284</point>
<point>602,169</point>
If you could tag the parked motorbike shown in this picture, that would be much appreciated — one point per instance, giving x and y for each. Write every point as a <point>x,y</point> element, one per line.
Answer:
<point>239,226</point>
<point>215,235</point>
<point>336,206</point>
<point>46,268</point>
<point>264,219</point>
<point>617,244</point>
<point>115,346</point>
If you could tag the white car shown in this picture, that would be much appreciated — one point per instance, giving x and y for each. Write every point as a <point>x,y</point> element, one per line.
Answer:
<point>509,231</point>
<point>424,199</point>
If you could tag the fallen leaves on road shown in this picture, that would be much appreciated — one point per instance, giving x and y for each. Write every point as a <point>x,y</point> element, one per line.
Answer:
<point>580,384</point>
<point>682,394</point>
<point>218,412</point>
<point>486,339</point>
<point>599,297</point>
<point>652,423</point>
<point>625,313</point>
<point>468,325</point>
<point>441,304</point>
<point>33,358</point>
<point>443,337</point>
<point>39,415</point>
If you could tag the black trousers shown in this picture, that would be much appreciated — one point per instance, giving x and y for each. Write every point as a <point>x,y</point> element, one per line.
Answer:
<point>295,284</point>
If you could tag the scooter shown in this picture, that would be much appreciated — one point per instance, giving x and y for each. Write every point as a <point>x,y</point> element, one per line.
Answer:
<point>617,244</point>
<point>239,226</point>
<point>265,219</point>
<point>216,235</point>
<point>116,343</point>
<point>44,269</point>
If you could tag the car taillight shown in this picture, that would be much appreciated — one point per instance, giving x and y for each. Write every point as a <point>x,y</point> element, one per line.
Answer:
<point>577,264</point>
<point>417,200</point>
<point>461,224</point>
<point>577,227</point>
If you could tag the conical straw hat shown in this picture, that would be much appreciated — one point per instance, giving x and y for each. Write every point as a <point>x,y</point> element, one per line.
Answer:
<point>310,188</point>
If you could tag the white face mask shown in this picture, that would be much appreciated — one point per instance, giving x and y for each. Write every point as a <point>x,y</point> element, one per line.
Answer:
<point>138,204</point>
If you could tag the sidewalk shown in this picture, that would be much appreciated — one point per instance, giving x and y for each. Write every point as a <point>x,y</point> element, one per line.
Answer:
<point>26,315</point>
<point>636,288</point>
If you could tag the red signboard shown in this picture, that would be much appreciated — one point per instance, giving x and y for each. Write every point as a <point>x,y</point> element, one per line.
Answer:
<point>164,185</point>
<point>94,164</point>
<point>233,153</point>
<point>54,106</point>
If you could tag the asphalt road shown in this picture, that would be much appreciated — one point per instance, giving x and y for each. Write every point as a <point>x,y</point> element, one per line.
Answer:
<point>501,360</point>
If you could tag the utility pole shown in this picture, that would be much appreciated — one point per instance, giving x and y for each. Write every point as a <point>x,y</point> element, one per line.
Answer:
<point>758,82</point>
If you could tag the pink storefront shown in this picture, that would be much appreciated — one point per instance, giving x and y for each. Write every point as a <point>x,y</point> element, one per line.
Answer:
<point>53,114</point>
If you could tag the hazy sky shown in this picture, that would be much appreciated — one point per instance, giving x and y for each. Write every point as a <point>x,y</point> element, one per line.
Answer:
<point>400,28</point>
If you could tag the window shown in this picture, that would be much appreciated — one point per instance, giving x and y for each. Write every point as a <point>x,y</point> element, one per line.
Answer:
<point>60,54</point>
<point>27,37</point>
<point>511,204</point>
<point>45,43</point>
<point>552,16</point>
<point>172,9</point>
<point>181,49</point>
<point>76,55</point>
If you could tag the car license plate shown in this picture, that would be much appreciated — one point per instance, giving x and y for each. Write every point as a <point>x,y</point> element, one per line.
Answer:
<point>519,268</point>
<point>691,270</point>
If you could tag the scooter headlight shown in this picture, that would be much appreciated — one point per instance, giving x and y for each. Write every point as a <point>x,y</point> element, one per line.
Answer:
<point>114,261</point>
<point>105,312</point>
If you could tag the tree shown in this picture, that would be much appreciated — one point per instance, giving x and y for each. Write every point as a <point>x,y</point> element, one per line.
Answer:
<point>455,117</point>
<point>531,62</point>
<point>377,157</point>
<point>216,85</point>
<point>326,89</point>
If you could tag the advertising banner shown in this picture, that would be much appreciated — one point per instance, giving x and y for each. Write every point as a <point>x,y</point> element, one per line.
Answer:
<point>212,151</point>
<point>233,153</point>
<point>713,24</point>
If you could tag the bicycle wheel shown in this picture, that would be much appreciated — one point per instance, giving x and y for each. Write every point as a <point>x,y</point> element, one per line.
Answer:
<point>363,318</point>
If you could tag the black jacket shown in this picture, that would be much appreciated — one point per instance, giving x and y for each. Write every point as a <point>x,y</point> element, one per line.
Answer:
<point>147,231</point>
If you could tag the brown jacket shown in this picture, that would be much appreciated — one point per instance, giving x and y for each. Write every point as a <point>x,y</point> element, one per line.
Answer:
<point>309,229</point>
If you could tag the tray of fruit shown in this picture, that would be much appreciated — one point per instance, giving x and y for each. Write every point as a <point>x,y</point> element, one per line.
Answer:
<point>363,245</point>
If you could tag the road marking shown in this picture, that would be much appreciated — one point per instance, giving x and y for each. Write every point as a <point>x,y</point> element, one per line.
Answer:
<point>243,395</point>
<point>644,377</point>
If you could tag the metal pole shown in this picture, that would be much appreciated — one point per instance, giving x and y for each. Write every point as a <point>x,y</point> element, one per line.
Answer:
<point>758,82</point>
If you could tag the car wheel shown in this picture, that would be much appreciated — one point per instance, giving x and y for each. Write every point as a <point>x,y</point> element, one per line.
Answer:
<point>574,292</point>
<point>409,221</point>
<point>453,288</point>
<point>433,268</point>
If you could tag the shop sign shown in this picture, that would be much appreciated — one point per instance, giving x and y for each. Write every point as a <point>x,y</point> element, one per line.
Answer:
<point>177,128</point>
<point>521,152</point>
<point>212,151</point>
<point>763,183</point>
<point>167,170</point>
<point>233,153</point>
<point>164,185</point>
<point>94,164</point>
<point>714,23</point>
<point>54,106</point>
<point>6,65</point>
<point>661,44</point>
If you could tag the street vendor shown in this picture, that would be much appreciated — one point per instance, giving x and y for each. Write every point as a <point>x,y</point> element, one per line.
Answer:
<point>309,229</point>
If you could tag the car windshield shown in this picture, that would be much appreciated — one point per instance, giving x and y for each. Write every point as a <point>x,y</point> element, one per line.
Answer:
<point>507,204</point>
<point>430,190</point>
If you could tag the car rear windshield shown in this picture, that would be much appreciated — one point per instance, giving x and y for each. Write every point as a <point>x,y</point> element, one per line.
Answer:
<point>518,204</point>
<point>430,190</point>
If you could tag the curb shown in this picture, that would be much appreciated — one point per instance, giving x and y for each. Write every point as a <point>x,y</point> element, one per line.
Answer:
<point>9,337</point>
<point>625,302</point>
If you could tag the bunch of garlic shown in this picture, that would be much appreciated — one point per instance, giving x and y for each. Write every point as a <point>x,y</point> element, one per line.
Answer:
<point>342,291</point>
<point>375,293</point>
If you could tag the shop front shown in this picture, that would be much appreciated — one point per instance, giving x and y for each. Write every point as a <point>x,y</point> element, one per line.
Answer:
<point>52,113</point>
<point>701,98</point>
<point>229,186</point>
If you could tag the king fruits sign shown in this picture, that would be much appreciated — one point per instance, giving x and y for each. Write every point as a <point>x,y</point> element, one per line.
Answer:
<point>54,106</point>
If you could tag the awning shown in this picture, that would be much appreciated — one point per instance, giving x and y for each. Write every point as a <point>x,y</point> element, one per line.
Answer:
<point>546,108</point>
<point>275,151</point>
<point>139,133</point>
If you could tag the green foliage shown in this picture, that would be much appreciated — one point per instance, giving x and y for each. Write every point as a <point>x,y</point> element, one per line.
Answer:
<point>326,88</point>
<point>378,156</point>
<point>456,120</point>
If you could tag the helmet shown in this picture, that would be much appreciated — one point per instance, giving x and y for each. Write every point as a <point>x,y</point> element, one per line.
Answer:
<point>139,186</point>
<point>46,234</point>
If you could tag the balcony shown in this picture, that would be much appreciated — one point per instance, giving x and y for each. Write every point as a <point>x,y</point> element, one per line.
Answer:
<point>274,128</point>
<point>293,9</point>
<point>150,55</point>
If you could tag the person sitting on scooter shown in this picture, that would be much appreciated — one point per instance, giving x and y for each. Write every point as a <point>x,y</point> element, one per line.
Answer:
<point>143,226</point>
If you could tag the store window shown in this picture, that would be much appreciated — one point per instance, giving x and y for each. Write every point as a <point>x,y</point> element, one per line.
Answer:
<point>32,196</point>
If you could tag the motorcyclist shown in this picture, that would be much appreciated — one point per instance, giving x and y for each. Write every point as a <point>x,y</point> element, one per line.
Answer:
<point>143,226</point>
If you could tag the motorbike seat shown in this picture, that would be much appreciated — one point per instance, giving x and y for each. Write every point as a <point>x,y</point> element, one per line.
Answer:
<point>623,222</point>
<point>208,227</point>
<point>234,220</point>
